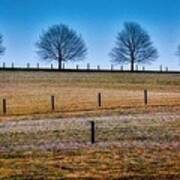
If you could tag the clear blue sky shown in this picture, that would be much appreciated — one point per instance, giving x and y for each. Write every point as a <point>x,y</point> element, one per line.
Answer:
<point>98,21</point>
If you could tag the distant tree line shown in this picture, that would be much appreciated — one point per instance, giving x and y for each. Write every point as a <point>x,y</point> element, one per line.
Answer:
<point>61,43</point>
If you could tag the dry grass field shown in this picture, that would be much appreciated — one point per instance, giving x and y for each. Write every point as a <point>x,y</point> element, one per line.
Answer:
<point>141,146</point>
<point>133,141</point>
<point>30,92</point>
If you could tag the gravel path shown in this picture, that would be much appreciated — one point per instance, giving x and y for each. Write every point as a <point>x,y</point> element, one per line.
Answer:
<point>73,123</point>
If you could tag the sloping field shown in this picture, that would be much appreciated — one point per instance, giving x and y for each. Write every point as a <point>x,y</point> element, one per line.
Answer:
<point>130,146</point>
<point>141,146</point>
<point>30,92</point>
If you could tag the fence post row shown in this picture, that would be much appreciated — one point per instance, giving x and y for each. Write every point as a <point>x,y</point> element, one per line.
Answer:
<point>4,106</point>
<point>52,103</point>
<point>92,132</point>
<point>99,100</point>
<point>145,97</point>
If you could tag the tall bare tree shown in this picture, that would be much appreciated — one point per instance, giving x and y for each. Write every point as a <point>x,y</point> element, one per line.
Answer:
<point>2,48</point>
<point>62,44</point>
<point>133,46</point>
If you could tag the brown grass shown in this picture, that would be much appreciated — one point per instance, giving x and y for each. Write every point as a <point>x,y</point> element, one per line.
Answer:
<point>29,92</point>
<point>127,147</point>
<point>145,147</point>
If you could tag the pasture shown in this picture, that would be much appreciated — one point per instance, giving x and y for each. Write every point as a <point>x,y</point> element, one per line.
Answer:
<point>133,141</point>
<point>29,93</point>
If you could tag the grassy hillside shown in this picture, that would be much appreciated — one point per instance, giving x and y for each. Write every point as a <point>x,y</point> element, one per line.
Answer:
<point>95,80</point>
<point>133,146</point>
<point>128,148</point>
<point>30,92</point>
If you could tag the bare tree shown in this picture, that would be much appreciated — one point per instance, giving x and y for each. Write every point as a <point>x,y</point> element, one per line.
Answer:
<point>133,46</point>
<point>2,48</point>
<point>62,44</point>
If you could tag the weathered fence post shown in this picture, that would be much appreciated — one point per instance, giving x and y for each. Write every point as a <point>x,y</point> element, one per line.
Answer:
<point>112,67</point>
<point>98,67</point>
<point>88,66</point>
<point>4,106</point>
<point>63,65</point>
<point>37,65</point>
<point>52,103</point>
<point>161,68</point>
<point>4,65</point>
<point>145,97</point>
<point>122,68</point>
<point>77,67</point>
<point>28,65</point>
<point>92,132</point>
<point>143,68</point>
<point>51,66</point>
<point>99,100</point>
<point>167,69</point>
<point>136,67</point>
<point>12,65</point>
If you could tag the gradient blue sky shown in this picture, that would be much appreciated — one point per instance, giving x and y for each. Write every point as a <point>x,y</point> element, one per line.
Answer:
<point>98,21</point>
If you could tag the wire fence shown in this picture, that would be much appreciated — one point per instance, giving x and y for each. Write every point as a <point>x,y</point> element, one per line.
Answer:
<point>57,133</point>
<point>85,101</point>
<point>87,67</point>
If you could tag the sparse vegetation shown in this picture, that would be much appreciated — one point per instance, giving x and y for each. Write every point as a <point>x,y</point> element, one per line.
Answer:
<point>144,146</point>
<point>136,148</point>
<point>29,92</point>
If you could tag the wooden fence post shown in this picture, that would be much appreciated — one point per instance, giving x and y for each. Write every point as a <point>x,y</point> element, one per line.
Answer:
<point>143,68</point>
<point>112,67</point>
<point>167,69</point>
<point>51,66</point>
<point>28,65</point>
<point>37,65</point>
<point>122,68</point>
<point>88,66</point>
<point>77,67</point>
<point>98,67</point>
<point>4,106</point>
<point>4,65</point>
<point>92,132</point>
<point>99,100</point>
<point>52,103</point>
<point>161,68</point>
<point>12,65</point>
<point>145,97</point>
<point>136,67</point>
<point>63,65</point>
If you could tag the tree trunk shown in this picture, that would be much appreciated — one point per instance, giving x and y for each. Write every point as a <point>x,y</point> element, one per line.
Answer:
<point>132,64</point>
<point>59,63</point>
